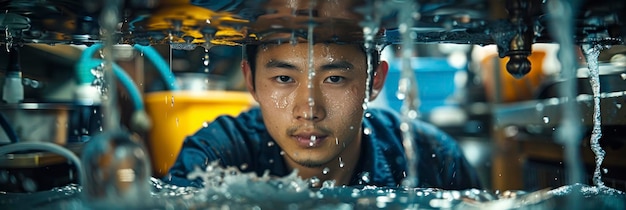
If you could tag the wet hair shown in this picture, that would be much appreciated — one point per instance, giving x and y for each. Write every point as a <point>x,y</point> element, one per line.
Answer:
<point>251,51</point>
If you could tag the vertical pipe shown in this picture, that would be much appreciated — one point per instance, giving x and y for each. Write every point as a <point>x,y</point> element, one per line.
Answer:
<point>109,19</point>
<point>562,21</point>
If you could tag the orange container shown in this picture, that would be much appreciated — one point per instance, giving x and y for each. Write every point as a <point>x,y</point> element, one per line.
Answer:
<point>178,114</point>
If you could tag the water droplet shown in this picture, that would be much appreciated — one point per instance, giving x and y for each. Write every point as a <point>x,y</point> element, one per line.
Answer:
<point>605,170</point>
<point>434,155</point>
<point>367,131</point>
<point>244,166</point>
<point>177,122</point>
<point>618,105</point>
<point>325,170</point>
<point>282,153</point>
<point>546,119</point>
<point>205,124</point>
<point>312,140</point>
<point>404,127</point>
<point>365,176</point>
<point>412,114</point>
<point>623,75</point>
<point>368,115</point>
<point>270,143</point>
<point>271,161</point>
<point>314,182</point>
<point>341,163</point>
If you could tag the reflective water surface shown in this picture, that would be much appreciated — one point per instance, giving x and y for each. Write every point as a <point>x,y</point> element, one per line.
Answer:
<point>228,188</point>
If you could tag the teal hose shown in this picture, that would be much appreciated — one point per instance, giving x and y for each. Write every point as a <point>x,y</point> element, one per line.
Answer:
<point>84,66</point>
<point>160,65</point>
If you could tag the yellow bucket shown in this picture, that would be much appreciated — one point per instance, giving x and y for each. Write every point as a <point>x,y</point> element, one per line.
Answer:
<point>178,114</point>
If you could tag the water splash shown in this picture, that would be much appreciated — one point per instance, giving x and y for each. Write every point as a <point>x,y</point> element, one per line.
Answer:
<point>591,53</point>
<point>370,29</point>
<point>407,89</point>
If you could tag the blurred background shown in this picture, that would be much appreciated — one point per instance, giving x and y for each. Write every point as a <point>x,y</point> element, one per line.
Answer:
<point>502,111</point>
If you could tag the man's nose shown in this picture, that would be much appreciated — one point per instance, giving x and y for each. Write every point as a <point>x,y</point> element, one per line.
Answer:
<point>309,104</point>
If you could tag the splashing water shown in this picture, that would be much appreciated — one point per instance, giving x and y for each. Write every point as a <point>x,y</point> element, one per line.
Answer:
<point>407,89</point>
<point>228,188</point>
<point>591,53</point>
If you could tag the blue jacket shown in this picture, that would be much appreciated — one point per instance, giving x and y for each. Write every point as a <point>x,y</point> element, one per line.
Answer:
<point>244,140</point>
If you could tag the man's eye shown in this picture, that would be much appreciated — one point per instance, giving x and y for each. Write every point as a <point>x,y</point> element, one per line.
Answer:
<point>334,79</point>
<point>284,79</point>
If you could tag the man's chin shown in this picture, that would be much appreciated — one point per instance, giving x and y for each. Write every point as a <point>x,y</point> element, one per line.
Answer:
<point>311,163</point>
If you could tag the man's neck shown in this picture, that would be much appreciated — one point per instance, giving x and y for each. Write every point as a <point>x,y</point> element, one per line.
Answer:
<point>340,169</point>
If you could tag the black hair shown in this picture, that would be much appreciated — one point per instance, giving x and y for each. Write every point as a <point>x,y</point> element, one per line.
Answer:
<point>251,51</point>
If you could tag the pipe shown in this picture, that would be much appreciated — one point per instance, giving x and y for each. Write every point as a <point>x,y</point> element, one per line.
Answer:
<point>8,129</point>
<point>84,66</point>
<point>46,146</point>
<point>160,64</point>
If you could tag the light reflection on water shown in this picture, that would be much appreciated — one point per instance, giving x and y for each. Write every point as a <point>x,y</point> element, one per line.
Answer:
<point>227,188</point>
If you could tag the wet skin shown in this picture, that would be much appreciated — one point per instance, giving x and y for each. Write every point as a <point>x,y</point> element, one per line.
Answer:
<point>324,132</point>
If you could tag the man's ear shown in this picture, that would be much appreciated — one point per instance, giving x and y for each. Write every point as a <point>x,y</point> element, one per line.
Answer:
<point>247,75</point>
<point>378,81</point>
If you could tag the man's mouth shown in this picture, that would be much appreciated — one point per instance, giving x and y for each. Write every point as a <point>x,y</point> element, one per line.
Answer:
<point>309,140</point>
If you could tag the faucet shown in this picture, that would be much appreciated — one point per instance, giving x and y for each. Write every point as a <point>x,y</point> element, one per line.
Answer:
<point>521,15</point>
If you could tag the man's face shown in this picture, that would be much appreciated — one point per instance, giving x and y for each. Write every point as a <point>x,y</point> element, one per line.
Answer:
<point>313,120</point>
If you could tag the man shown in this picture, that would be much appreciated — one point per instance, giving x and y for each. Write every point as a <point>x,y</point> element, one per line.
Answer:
<point>320,129</point>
